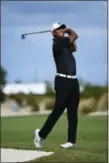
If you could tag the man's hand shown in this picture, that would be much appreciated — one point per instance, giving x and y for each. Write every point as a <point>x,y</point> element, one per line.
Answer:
<point>72,35</point>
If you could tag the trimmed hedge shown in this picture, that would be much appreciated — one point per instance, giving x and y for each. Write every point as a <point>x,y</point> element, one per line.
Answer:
<point>93,91</point>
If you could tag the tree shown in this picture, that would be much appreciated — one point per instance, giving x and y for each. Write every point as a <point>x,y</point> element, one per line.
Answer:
<point>83,82</point>
<point>3,75</point>
<point>49,88</point>
<point>18,81</point>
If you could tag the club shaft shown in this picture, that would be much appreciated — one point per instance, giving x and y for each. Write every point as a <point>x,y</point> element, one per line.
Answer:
<point>36,32</point>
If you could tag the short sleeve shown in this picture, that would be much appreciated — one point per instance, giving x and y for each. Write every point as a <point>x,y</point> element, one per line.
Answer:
<point>56,47</point>
<point>66,41</point>
<point>61,43</point>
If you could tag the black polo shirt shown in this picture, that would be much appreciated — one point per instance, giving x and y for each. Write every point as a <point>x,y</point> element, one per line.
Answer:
<point>64,59</point>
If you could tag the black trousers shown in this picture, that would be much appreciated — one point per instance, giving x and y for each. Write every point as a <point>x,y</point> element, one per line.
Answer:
<point>67,96</point>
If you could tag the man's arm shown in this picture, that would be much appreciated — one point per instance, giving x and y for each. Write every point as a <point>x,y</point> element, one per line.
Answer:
<point>73,47</point>
<point>72,34</point>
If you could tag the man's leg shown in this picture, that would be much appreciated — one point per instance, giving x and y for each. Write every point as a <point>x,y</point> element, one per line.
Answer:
<point>60,104</point>
<point>72,113</point>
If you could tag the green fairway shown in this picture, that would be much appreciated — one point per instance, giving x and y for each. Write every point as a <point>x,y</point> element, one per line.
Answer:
<point>18,132</point>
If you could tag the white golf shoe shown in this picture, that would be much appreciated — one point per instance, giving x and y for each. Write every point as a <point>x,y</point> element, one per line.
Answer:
<point>67,145</point>
<point>38,139</point>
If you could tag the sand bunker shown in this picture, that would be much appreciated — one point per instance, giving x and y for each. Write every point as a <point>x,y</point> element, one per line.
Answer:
<point>17,155</point>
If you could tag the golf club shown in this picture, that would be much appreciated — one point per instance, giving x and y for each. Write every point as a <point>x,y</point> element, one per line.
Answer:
<point>23,35</point>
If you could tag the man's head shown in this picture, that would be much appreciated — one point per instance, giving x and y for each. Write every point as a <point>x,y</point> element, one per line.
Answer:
<point>57,30</point>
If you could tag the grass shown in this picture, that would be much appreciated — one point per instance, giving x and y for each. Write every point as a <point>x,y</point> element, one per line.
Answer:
<point>18,132</point>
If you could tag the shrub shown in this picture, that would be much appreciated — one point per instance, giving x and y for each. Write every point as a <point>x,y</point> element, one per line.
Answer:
<point>88,105</point>
<point>30,99</point>
<point>85,110</point>
<point>33,102</point>
<point>103,103</point>
<point>18,98</point>
<point>93,91</point>
<point>49,104</point>
<point>2,97</point>
<point>35,106</point>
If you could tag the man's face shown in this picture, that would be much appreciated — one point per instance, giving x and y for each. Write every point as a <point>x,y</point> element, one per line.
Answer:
<point>58,33</point>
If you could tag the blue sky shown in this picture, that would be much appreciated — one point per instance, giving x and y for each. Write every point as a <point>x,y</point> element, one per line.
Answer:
<point>31,59</point>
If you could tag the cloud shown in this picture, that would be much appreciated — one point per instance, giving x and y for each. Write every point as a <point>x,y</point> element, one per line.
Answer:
<point>42,13</point>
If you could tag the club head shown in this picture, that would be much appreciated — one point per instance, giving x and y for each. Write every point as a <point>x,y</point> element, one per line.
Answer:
<point>22,36</point>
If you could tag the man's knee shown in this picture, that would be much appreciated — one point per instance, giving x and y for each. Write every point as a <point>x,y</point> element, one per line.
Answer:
<point>57,112</point>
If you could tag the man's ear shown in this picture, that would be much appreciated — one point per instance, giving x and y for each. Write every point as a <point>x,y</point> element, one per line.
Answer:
<point>53,33</point>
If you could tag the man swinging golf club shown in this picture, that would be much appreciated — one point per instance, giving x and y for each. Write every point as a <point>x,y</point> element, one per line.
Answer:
<point>66,85</point>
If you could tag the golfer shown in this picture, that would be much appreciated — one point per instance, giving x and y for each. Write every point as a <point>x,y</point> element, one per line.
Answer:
<point>66,85</point>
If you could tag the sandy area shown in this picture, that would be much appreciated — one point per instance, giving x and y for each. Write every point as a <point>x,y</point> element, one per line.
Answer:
<point>17,155</point>
<point>99,113</point>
